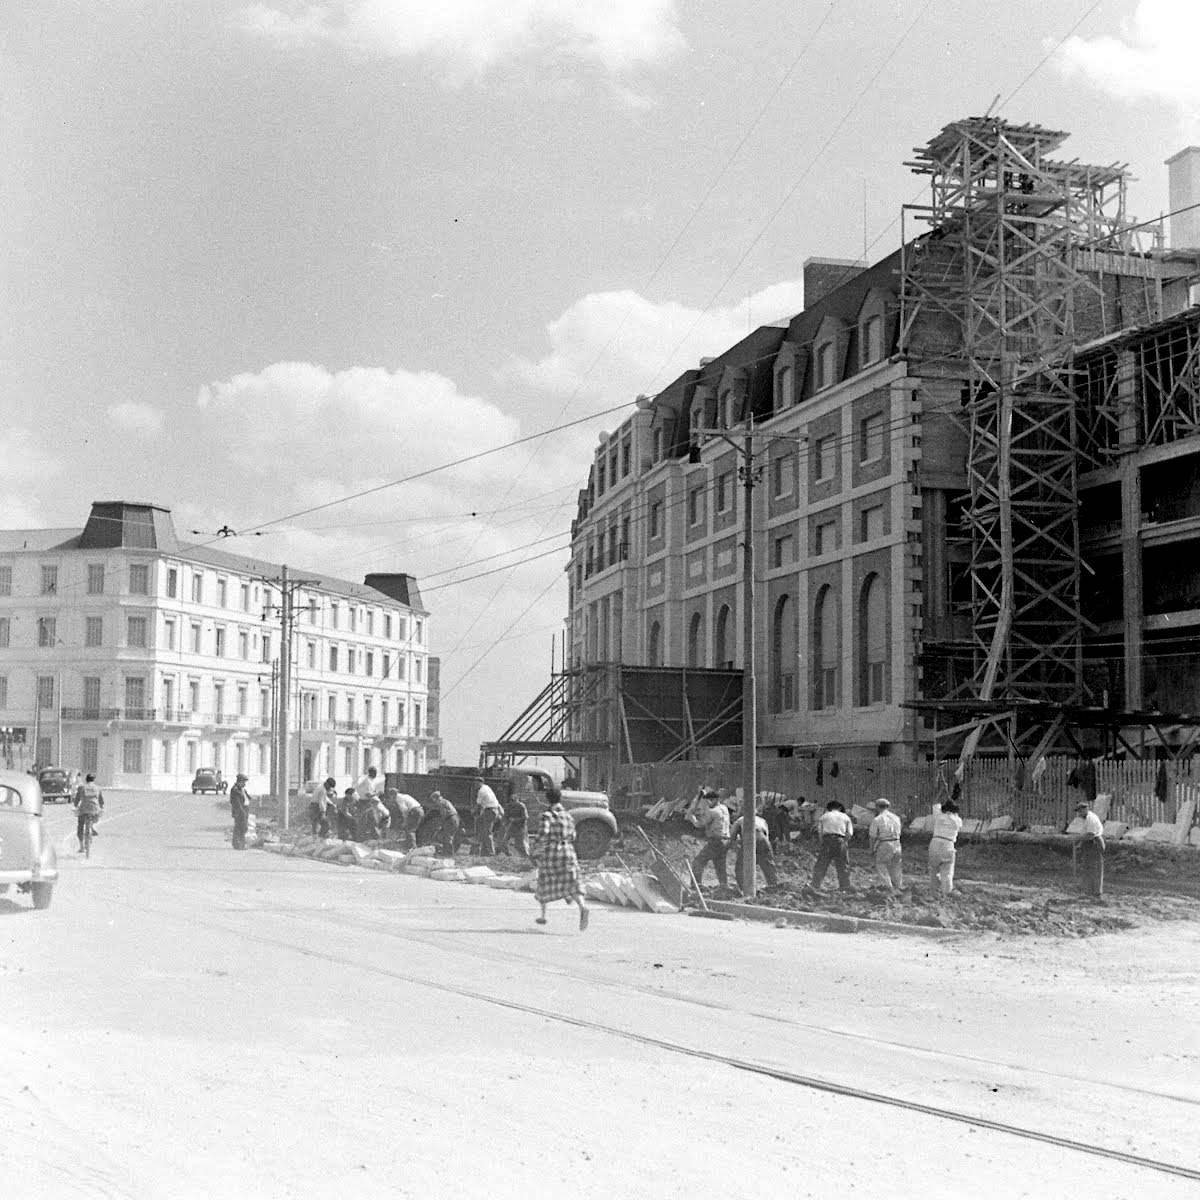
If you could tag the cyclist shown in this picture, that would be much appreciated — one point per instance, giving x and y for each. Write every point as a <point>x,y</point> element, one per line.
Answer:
<point>89,800</point>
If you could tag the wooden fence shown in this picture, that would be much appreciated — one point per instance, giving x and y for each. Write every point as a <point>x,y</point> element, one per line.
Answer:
<point>990,788</point>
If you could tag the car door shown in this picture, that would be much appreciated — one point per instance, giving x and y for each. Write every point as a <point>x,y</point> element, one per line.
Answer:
<point>18,824</point>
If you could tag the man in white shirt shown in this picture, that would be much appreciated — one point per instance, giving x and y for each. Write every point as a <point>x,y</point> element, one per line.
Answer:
<point>370,784</point>
<point>1091,849</point>
<point>764,857</point>
<point>487,813</point>
<point>942,853</point>
<point>884,836</point>
<point>835,830</point>
<point>711,817</point>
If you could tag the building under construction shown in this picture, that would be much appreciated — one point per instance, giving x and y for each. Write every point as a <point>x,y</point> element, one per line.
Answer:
<point>975,465</point>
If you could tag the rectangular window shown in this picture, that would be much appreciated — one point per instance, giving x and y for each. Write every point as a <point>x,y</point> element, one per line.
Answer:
<point>89,754</point>
<point>348,759</point>
<point>825,540</point>
<point>826,696</point>
<point>824,365</point>
<point>402,629</point>
<point>417,669</point>
<point>784,550</point>
<point>222,592</point>
<point>333,658</point>
<point>169,631</point>
<point>168,696</point>
<point>172,582</point>
<point>44,751</point>
<point>387,666</point>
<point>139,581</point>
<point>243,697</point>
<point>135,632</point>
<point>387,625</point>
<point>219,700</point>
<point>47,632</point>
<point>871,523</point>
<point>245,590</point>
<point>417,728</point>
<point>870,438</point>
<point>335,613</point>
<point>166,756</point>
<point>311,654</point>
<point>262,759</point>
<point>370,663</point>
<point>353,619</point>
<point>367,711</point>
<point>5,581</point>
<point>135,696</point>
<point>240,755</point>
<point>266,647</point>
<point>243,645</point>
<point>332,709</point>
<point>195,639</point>
<point>656,525</point>
<point>402,667</point>
<point>49,581</point>
<point>370,622</point>
<point>783,470</point>
<point>626,457</point>
<point>91,693</point>
<point>3,691</point>
<point>656,444</point>
<point>45,691</point>
<point>825,457</point>
<point>871,340</point>
<point>724,490</point>
<point>264,706</point>
<point>418,632</point>
<point>600,477</point>
<point>785,383</point>
<point>696,506</point>
<point>5,632</point>
<point>197,587</point>
<point>219,649</point>
<point>131,756</point>
<point>95,579</point>
<point>194,695</point>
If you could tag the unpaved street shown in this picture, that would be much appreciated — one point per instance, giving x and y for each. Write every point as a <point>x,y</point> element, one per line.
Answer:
<point>187,1021</point>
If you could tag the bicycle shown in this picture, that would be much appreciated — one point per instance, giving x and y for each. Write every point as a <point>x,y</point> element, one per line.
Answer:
<point>85,840</point>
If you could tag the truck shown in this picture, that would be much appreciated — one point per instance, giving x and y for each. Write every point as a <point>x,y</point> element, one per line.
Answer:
<point>595,825</point>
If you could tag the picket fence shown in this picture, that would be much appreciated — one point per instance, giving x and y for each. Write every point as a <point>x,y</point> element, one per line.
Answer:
<point>990,787</point>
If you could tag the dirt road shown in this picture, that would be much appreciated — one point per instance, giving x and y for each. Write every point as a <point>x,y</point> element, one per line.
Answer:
<point>187,1021</point>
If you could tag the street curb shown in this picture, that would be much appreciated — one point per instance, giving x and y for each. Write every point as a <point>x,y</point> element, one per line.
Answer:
<point>830,922</point>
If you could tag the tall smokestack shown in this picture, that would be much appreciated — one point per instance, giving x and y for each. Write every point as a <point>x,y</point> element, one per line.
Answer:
<point>1183,185</point>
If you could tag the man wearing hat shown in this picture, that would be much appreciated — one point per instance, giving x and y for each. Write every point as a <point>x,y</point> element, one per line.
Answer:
<point>1091,849</point>
<point>239,806</point>
<point>884,836</point>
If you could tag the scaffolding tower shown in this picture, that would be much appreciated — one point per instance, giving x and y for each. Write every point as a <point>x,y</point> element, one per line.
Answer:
<point>992,295</point>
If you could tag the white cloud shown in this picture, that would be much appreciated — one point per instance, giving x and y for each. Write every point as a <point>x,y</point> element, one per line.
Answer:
<point>1154,56</point>
<point>613,345</point>
<point>136,417</point>
<point>472,35</point>
<point>27,466</point>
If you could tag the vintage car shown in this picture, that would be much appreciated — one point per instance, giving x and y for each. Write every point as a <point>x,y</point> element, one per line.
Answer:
<point>209,780</point>
<point>27,858</point>
<point>58,783</point>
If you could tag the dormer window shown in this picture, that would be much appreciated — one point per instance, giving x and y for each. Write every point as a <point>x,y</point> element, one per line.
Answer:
<point>824,365</point>
<point>729,410</point>
<point>870,340</point>
<point>785,388</point>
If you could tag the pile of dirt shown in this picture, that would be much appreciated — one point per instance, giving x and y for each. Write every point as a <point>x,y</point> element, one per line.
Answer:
<point>1007,889</point>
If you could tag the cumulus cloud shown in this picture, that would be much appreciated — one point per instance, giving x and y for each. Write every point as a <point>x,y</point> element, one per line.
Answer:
<point>1153,57</point>
<point>472,35</point>
<point>613,345</point>
<point>136,417</point>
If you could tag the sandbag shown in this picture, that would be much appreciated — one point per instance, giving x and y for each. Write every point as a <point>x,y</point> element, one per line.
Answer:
<point>448,875</point>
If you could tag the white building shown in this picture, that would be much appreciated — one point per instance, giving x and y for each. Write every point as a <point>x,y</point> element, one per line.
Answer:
<point>129,653</point>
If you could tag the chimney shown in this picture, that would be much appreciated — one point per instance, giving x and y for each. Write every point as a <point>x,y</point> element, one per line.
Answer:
<point>1183,188</point>
<point>823,275</point>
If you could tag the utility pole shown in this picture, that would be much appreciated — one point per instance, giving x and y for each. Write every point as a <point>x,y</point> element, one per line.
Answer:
<point>749,677</point>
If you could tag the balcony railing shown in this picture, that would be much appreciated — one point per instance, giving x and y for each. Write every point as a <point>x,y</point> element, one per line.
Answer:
<point>90,714</point>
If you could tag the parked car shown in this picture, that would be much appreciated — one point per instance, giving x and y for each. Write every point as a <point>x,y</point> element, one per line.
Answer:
<point>209,780</point>
<point>58,783</point>
<point>27,858</point>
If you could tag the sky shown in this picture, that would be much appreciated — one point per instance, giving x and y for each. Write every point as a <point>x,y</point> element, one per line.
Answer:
<point>257,258</point>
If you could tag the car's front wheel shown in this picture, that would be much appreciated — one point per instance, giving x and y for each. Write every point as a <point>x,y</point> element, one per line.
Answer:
<point>42,893</point>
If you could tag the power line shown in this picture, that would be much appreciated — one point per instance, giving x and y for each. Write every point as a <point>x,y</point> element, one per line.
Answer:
<point>1050,54</point>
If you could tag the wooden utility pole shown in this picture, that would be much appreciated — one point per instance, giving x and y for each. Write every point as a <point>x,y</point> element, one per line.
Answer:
<point>749,678</point>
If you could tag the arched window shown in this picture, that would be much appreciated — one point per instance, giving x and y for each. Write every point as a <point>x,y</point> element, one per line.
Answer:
<point>871,648</point>
<point>654,646</point>
<point>695,644</point>
<point>826,650</point>
<point>723,638</point>
<point>783,656</point>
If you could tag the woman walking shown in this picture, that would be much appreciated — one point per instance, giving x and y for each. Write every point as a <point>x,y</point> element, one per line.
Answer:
<point>558,868</point>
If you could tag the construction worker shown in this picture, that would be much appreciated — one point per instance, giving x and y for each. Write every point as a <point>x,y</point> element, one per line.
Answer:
<point>942,852</point>
<point>883,834</point>
<point>487,813</point>
<point>406,815</point>
<point>764,857</point>
<point>835,829</point>
<point>516,826</point>
<point>710,815</point>
<point>441,817</point>
<point>1090,849</point>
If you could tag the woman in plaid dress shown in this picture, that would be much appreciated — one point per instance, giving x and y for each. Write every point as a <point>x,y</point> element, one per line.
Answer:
<point>558,868</point>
